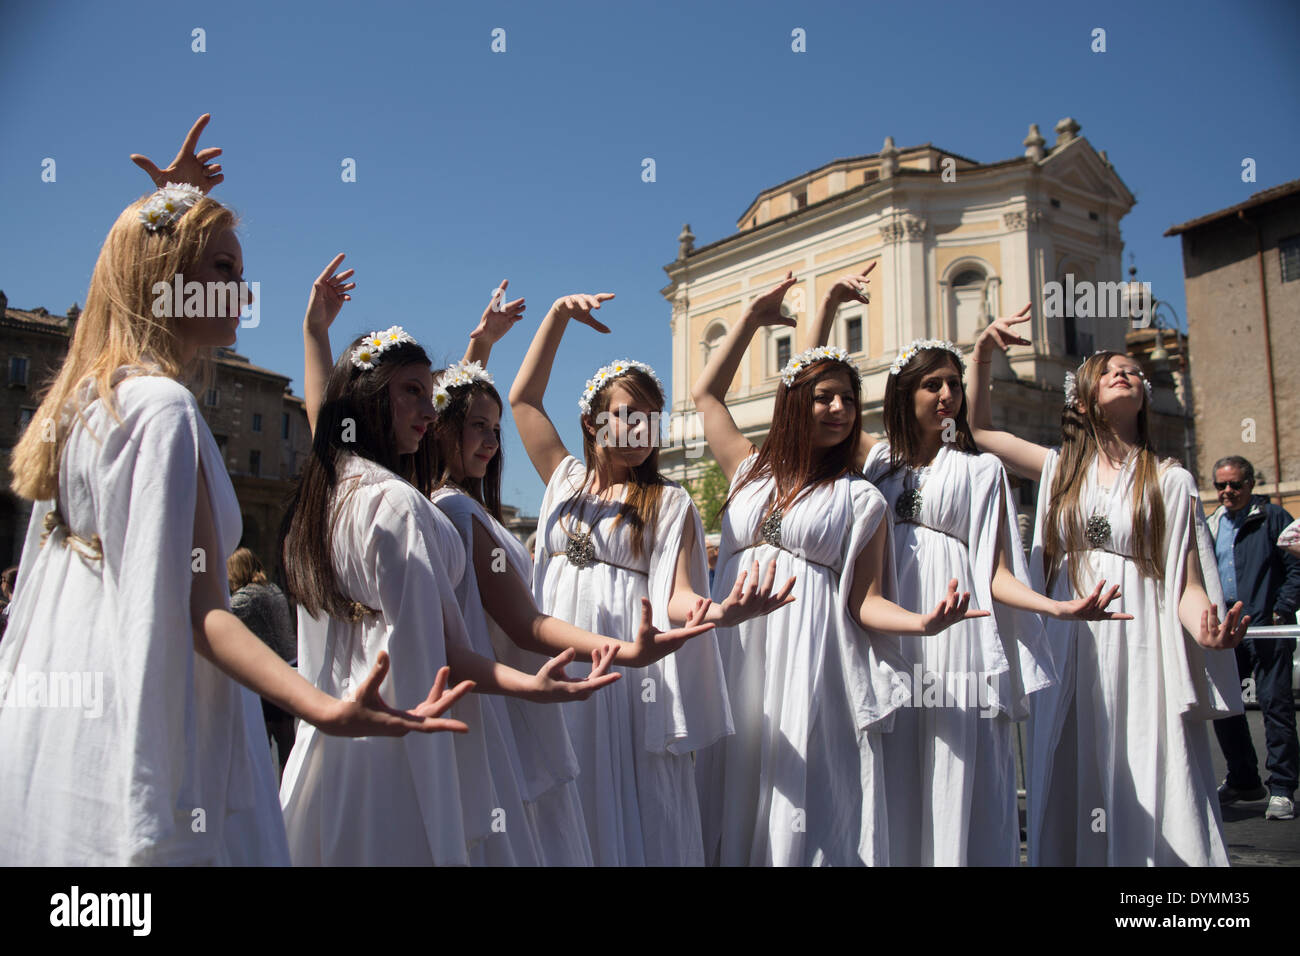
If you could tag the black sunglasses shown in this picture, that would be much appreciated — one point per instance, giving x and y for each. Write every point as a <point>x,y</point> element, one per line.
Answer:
<point>1236,485</point>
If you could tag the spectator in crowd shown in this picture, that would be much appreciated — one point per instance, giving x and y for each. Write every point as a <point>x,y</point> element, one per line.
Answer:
<point>263,609</point>
<point>1252,569</point>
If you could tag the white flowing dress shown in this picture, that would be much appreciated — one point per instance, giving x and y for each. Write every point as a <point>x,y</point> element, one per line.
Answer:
<point>547,770</point>
<point>1119,763</point>
<point>950,761</point>
<point>812,693</point>
<point>634,738</point>
<point>171,766</point>
<point>416,800</point>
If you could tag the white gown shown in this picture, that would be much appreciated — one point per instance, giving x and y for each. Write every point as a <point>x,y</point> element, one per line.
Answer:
<point>174,769</point>
<point>547,770</point>
<point>634,738</point>
<point>950,760</point>
<point>811,692</point>
<point>416,800</point>
<point>1119,763</point>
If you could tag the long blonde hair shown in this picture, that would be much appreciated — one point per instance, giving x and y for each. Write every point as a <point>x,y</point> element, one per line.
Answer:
<point>117,328</point>
<point>1080,443</point>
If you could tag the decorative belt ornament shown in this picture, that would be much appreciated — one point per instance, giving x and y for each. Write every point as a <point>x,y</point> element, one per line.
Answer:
<point>908,505</point>
<point>771,529</point>
<point>1097,530</point>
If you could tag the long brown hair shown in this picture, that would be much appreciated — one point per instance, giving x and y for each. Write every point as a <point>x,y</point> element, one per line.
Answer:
<point>644,484</point>
<point>788,455</point>
<point>449,426</point>
<point>117,328</point>
<point>901,426</point>
<point>1080,443</point>
<point>355,418</point>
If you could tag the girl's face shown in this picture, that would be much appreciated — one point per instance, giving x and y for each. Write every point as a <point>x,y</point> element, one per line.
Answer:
<point>480,439</point>
<point>410,395</point>
<point>1119,389</point>
<point>221,262</point>
<point>938,398</point>
<point>834,408</point>
<point>628,433</point>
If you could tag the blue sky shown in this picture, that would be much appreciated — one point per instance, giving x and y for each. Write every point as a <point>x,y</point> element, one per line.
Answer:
<point>474,166</point>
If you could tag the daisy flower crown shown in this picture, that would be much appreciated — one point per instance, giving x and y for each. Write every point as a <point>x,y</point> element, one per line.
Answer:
<point>1072,383</point>
<point>168,204</point>
<point>366,355</point>
<point>607,374</point>
<point>919,345</point>
<point>459,373</point>
<point>808,357</point>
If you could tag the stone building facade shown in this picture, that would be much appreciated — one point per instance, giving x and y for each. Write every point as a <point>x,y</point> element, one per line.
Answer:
<point>1241,267</point>
<point>955,243</point>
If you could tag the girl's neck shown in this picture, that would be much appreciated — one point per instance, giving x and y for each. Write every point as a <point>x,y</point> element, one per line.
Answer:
<point>607,474</point>
<point>928,448</point>
<point>1116,445</point>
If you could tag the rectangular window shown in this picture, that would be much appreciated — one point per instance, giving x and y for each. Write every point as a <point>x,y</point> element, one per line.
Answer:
<point>284,425</point>
<point>25,417</point>
<point>801,199</point>
<point>782,353</point>
<point>257,421</point>
<point>255,463</point>
<point>1289,250</point>
<point>18,371</point>
<point>211,398</point>
<point>853,334</point>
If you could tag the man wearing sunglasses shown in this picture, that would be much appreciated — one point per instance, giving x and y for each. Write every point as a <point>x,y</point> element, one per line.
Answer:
<point>1267,580</point>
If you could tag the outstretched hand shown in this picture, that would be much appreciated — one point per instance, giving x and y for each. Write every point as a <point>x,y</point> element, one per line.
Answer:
<point>499,317</point>
<point>653,644</point>
<point>999,333</point>
<point>851,288</point>
<point>328,293</point>
<point>552,685</point>
<point>579,308</point>
<point>766,309</point>
<point>196,169</point>
<point>953,608</point>
<point>1225,636</point>
<point>366,714</point>
<point>742,604</point>
<point>1093,607</point>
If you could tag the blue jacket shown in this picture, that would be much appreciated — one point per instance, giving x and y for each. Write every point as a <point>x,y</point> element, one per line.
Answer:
<point>1268,578</point>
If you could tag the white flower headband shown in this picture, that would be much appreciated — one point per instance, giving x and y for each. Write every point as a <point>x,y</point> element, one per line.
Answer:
<point>459,373</point>
<point>1072,383</point>
<point>366,355</point>
<point>168,204</point>
<point>808,357</point>
<point>607,374</point>
<point>919,345</point>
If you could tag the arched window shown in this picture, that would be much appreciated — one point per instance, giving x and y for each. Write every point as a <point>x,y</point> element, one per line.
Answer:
<point>713,337</point>
<point>968,306</point>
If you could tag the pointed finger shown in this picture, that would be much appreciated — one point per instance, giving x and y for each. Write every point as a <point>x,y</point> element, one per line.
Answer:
<point>145,163</point>
<point>192,137</point>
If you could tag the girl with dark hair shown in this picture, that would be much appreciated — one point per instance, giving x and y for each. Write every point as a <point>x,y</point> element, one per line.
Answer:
<point>495,593</point>
<point>157,756</point>
<point>815,685</point>
<point>613,533</point>
<point>1121,738</point>
<point>950,765</point>
<point>373,565</point>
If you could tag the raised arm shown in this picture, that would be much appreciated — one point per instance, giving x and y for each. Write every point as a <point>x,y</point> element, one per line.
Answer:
<point>328,293</point>
<point>498,318</point>
<point>189,167</point>
<point>541,440</point>
<point>850,288</point>
<point>510,604</point>
<point>1024,458</point>
<point>729,446</point>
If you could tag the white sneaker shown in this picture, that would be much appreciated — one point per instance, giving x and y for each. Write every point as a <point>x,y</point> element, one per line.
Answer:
<point>1279,808</point>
